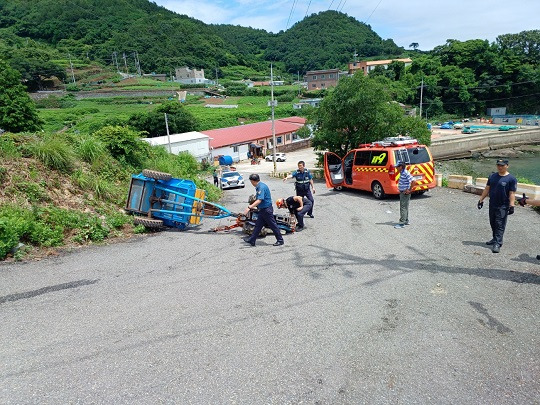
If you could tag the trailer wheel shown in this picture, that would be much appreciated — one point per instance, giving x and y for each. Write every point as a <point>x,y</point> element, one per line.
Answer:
<point>148,222</point>
<point>156,175</point>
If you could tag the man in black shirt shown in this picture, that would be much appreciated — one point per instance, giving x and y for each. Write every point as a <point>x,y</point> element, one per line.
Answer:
<point>298,206</point>
<point>501,187</point>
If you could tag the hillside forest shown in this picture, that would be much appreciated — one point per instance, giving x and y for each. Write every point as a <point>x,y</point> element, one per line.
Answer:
<point>43,38</point>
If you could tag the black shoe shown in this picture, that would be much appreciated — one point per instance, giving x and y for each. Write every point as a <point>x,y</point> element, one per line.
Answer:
<point>537,257</point>
<point>496,248</point>
<point>299,228</point>
<point>278,243</point>
<point>311,216</point>
<point>248,240</point>
<point>490,242</point>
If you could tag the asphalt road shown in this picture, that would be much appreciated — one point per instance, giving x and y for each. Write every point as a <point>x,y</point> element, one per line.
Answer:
<point>349,311</point>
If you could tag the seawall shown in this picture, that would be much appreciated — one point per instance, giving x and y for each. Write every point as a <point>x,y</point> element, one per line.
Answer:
<point>460,146</point>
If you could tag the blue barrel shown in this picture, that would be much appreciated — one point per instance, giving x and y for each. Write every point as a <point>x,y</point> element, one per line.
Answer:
<point>225,160</point>
<point>429,126</point>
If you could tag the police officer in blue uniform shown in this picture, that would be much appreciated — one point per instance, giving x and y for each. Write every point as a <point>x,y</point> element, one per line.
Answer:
<point>304,184</point>
<point>265,215</point>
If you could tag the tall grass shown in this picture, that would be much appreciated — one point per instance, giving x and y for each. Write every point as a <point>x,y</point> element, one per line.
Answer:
<point>90,149</point>
<point>54,153</point>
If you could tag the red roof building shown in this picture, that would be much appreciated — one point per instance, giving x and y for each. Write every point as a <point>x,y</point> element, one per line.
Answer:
<point>259,132</point>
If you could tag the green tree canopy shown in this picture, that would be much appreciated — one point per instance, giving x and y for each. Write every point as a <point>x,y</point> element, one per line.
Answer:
<point>179,120</point>
<point>17,110</point>
<point>360,110</point>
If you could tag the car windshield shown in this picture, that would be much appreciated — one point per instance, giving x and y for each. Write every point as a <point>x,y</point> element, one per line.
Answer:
<point>230,174</point>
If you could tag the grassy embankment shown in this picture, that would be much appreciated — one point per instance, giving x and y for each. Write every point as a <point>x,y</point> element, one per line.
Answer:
<point>67,185</point>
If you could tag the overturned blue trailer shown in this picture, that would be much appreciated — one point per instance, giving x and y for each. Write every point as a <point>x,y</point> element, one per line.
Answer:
<point>157,199</point>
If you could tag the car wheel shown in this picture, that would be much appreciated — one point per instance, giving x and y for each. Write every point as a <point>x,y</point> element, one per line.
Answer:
<point>338,188</point>
<point>377,190</point>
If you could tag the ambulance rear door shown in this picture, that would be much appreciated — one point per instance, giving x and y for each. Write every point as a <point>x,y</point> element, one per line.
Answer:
<point>333,170</point>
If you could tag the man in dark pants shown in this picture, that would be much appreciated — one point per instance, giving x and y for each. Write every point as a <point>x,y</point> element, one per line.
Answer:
<point>501,187</point>
<point>304,180</point>
<point>298,206</point>
<point>265,215</point>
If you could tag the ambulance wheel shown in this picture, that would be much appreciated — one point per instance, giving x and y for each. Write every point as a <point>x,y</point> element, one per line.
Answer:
<point>148,222</point>
<point>156,175</point>
<point>377,190</point>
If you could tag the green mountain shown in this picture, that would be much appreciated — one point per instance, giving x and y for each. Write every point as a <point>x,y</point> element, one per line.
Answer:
<point>96,29</point>
<point>328,40</point>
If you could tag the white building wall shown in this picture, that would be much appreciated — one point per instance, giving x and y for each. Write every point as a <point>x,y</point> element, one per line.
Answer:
<point>241,154</point>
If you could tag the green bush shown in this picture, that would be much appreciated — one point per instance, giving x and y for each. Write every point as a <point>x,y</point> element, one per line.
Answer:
<point>54,153</point>
<point>92,230</point>
<point>124,144</point>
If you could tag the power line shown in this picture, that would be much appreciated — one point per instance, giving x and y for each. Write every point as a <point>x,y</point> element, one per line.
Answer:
<point>477,88</point>
<point>330,6</point>
<point>290,14</point>
<point>309,4</point>
<point>380,1</point>
<point>343,5</point>
<point>484,101</point>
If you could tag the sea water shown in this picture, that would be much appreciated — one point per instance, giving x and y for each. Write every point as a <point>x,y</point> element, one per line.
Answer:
<point>526,166</point>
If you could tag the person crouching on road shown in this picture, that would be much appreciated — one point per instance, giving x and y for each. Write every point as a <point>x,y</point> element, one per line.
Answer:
<point>298,206</point>
<point>405,186</point>
<point>304,180</point>
<point>265,215</point>
<point>501,187</point>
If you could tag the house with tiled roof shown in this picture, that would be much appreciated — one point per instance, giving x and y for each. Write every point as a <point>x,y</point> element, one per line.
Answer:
<point>256,138</point>
<point>367,66</point>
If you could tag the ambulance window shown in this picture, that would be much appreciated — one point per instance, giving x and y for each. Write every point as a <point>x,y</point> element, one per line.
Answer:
<point>362,158</point>
<point>378,158</point>
<point>419,155</point>
<point>413,155</point>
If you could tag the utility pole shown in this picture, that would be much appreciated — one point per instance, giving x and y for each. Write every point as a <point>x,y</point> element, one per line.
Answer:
<point>125,62</point>
<point>217,80</point>
<point>115,59</point>
<point>274,151</point>
<point>137,63</point>
<point>71,65</point>
<point>421,95</point>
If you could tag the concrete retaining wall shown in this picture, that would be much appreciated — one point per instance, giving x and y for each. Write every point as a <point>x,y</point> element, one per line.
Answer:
<point>530,190</point>
<point>458,146</point>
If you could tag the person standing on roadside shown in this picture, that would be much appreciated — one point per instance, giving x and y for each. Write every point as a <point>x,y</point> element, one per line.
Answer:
<point>265,217</point>
<point>501,188</point>
<point>405,186</point>
<point>216,181</point>
<point>304,184</point>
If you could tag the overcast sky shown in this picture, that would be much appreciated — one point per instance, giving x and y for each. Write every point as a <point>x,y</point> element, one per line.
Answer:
<point>427,22</point>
